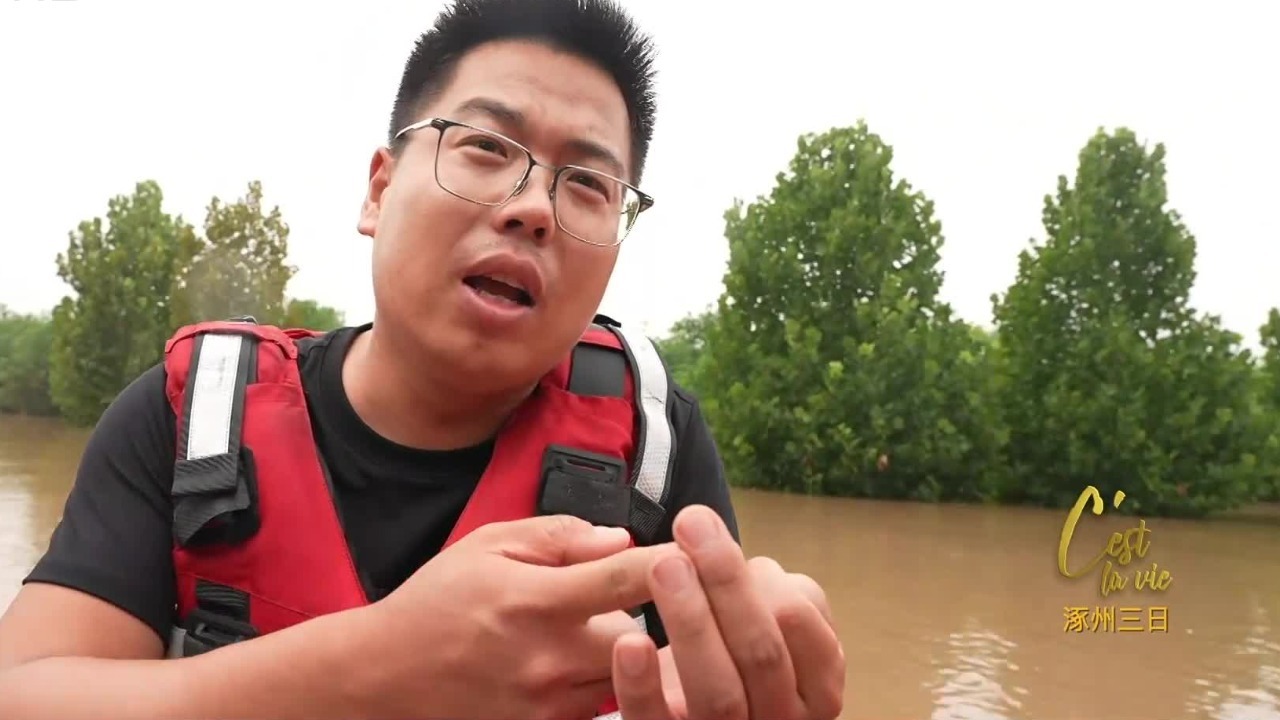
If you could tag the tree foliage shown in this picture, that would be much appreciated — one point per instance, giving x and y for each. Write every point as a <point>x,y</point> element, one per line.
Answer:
<point>25,342</point>
<point>833,367</point>
<point>830,366</point>
<point>242,268</point>
<point>1269,376</point>
<point>1108,374</point>
<point>1268,383</point>
<point>123,270</point>
<point>684,348</point>
<point>311,315</point>
<point>135,276</point>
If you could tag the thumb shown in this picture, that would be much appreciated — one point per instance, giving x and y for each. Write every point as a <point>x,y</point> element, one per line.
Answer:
<point>553,540</point>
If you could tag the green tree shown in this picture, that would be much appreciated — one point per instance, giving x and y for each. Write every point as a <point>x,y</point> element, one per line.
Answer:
<point>25,342</point>
<point>311,315</point>
<point>684,348</point>
<point>1108,376</point>
<point>241,269</point>
<point>1268,385</point>
<point>123,271</point>
<point>833,367</point>
<point>1269,375</point>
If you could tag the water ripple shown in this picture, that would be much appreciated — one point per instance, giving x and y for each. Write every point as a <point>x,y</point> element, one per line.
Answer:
<point>969,674</point>
<point>1222,699</point>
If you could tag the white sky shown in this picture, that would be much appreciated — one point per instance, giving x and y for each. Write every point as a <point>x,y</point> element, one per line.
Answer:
<point>985,103</point>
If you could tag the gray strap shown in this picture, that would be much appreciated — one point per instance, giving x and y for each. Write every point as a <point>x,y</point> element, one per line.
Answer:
<point>177,639</point>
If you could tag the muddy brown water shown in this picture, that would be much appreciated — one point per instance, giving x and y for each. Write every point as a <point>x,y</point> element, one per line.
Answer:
<point>946,612</point>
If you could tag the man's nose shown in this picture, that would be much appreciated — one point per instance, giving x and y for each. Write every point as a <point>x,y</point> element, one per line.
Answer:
<point>531,211</point>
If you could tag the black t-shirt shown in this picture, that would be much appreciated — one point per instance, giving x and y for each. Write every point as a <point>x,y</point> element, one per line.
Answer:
<point>398,504</point>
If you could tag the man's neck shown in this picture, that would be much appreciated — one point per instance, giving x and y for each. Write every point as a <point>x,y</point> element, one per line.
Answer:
<point>417,408</point>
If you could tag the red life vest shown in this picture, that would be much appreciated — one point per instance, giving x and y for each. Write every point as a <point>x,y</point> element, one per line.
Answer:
<point>258,541</point>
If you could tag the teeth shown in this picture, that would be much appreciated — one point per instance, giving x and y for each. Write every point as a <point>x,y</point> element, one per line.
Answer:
<point>509,281</point>
<point>502,298</point>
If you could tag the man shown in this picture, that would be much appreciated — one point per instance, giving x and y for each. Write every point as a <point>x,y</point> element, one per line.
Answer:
<point>518,140</point>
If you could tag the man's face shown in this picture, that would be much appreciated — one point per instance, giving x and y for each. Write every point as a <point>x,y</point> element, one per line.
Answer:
<point>430,247</point>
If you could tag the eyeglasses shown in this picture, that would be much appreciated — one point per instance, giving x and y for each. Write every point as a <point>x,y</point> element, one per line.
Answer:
<point>486,168</point>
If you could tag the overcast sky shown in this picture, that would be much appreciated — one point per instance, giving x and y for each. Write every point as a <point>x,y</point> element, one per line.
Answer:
<point>985,103</point>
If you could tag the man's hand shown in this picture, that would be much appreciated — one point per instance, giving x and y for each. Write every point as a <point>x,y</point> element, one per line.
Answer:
<point>517,619</point>
<point>748,641</point>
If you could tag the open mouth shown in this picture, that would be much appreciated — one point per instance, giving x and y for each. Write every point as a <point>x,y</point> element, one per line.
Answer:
<point>502,289</point>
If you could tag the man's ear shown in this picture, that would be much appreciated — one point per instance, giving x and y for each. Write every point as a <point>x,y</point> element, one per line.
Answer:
<point>380,168</point>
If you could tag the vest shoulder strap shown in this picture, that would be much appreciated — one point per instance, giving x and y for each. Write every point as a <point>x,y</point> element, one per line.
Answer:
<point>208,368</point>
<point>611,361</point>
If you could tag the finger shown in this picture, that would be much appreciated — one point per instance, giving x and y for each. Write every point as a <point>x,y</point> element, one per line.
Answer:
<point>594,644</point>
<point>795,612</point>
<point>746,621</point>
<point>815,594</point>
<point>637,684</point>
<point>767,570</point>
<point>600,542</point>
<point>712,686</point>
<point>553,540</point>
<point>819,659</point>
<point>617,582</point>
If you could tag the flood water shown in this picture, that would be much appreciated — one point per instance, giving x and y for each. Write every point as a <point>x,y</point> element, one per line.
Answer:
<point>946,612</point>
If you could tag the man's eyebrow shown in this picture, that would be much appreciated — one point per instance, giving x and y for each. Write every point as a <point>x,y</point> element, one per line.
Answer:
<point>596,151</point>
<point>513,118</point>
<point>495,109</point>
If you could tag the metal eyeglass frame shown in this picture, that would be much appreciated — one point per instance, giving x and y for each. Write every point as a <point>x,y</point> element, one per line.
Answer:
<point>441,124</point>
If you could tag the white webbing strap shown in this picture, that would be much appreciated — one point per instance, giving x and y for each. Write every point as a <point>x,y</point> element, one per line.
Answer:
<point>653,465</point>
<point>206,477</point>
<point>655,457</point>
<point>213,395</point>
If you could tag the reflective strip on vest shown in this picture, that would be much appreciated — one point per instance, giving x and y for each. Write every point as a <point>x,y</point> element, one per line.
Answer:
<point>213,395</point>
<point>654,464</point>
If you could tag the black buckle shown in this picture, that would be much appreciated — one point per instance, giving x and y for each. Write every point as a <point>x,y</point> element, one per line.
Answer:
<point>586,485</point>
<point>207,631</point>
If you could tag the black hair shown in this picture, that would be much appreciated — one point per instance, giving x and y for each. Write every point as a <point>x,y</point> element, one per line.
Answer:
<point>598,31</point>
